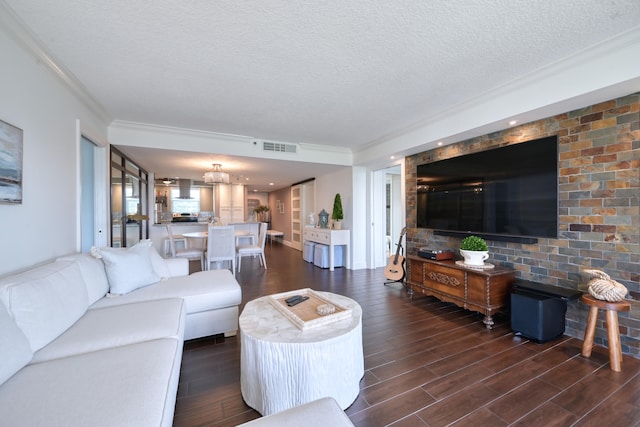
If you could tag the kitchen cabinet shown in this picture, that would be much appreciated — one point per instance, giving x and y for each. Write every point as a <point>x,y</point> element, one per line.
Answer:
<point>230,201</point>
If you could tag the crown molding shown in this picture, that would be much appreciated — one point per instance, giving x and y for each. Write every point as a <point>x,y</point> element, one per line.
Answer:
<point>166,137</point>
<point>584,78</point>
<point>11,24</point>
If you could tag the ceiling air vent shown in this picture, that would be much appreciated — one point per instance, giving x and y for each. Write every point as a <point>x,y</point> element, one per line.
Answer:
<point>278,147</point>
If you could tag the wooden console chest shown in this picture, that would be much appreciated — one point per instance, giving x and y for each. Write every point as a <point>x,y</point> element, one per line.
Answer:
<point>484,291</point>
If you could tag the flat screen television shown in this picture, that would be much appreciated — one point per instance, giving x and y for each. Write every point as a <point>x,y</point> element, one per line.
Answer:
<point>507,193</point>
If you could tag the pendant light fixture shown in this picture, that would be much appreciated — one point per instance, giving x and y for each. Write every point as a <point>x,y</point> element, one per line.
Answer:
<point>216,176</point>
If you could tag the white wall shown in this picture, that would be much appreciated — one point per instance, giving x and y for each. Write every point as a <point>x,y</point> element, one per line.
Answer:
<point>46,224</point>
<point>350,182</point>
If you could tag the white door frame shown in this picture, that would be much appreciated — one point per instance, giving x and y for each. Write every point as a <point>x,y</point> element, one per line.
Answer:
<point>377,191</point>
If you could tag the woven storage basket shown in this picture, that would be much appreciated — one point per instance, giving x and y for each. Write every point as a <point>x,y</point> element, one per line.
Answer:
<point>602,287</point>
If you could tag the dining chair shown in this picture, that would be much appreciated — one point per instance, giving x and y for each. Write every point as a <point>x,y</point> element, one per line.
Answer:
<point>221,246</point>
<point>191,254</point>
<point>255,249</point>
<point>246,233</point>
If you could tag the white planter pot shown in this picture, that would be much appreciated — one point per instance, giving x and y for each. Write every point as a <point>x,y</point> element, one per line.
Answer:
<point>474,257</point>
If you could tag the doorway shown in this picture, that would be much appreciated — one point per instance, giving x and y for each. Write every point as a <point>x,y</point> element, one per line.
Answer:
<point>87,194</point>
<point>388,213</point>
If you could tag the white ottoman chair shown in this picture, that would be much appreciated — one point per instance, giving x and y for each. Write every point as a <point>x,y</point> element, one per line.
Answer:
<point>319,413</point>
<point>321,256</point>
<point>308,251</point>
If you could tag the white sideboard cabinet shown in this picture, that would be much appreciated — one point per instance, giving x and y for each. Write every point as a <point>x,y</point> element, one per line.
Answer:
<point>331,238</point>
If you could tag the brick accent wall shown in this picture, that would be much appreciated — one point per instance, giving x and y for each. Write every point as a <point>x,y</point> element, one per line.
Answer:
<point>599,208</point>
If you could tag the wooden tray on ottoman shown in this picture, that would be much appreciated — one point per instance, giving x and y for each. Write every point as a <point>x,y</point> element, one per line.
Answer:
<point>305,315</point>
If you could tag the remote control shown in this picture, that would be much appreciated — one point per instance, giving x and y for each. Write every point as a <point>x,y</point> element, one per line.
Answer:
<point>298,301</point>
<point>293,298</point>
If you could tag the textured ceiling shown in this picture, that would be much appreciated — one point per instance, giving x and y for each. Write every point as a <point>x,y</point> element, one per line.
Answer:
<point>333,72</point>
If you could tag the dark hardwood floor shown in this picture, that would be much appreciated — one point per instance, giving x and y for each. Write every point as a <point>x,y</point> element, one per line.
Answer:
<point>427,363</point>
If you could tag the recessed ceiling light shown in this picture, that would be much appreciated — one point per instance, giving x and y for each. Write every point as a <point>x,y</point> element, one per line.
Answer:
<point>513,122</point>
<point>271,183</point>
<point>392,157</point>
<point>440,143</point>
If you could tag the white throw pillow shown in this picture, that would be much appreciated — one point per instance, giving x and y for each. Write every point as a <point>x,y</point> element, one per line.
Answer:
<point>128,269</point>
<point>159,264</point>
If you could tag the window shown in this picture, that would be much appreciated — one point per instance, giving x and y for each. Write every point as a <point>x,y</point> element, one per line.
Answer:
<point>132,198</point>
<point>191,205</point>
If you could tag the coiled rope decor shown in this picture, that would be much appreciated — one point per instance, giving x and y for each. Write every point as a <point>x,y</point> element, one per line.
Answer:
<point>603,287</point>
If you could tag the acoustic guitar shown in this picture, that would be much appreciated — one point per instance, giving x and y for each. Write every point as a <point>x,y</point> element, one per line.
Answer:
<point>395,269</point>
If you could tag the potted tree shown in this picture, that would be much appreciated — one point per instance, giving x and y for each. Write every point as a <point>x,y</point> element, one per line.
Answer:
<point>262,213</point>
<point>337,214</point>
<point>474,250</point>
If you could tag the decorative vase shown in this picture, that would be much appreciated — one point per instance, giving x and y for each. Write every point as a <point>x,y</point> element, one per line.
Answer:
<point>323,219</point>
<point>475,258</point>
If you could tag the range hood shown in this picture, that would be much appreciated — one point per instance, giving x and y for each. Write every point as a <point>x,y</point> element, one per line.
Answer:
<point>185,188</point>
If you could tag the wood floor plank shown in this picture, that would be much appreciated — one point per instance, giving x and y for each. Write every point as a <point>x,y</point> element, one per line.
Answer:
<point>524,399</point>
<point>457,406</point>
<point>397,385</point>
<point>548,414</point>
<point>585,395</point>
<point>481,417</point>
<point>454,382</point>
<point>392,410</point>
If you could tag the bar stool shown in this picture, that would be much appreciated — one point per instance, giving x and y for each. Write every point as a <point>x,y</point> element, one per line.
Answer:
<point>613,331</point>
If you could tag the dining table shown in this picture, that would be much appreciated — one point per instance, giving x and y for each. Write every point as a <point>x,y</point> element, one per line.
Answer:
<point>201,236</point>
<point>205,234</point>
<point>197,234</point>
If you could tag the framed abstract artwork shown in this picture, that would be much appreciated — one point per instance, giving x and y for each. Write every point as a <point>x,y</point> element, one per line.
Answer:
<point>10,163</point>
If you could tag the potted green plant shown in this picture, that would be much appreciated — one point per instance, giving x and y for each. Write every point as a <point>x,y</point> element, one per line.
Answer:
<point>337,214</point>
<point>474,250</point>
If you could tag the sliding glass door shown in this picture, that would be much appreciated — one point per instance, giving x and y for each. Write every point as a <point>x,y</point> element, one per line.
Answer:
<point>129,201</point>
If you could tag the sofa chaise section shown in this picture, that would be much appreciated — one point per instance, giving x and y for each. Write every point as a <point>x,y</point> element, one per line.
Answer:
<point>132,385</point>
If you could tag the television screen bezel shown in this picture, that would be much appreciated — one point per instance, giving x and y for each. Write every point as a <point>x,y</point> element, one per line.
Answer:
<point>519,238</point>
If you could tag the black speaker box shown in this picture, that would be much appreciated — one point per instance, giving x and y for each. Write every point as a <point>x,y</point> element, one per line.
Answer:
<point>537,316</point>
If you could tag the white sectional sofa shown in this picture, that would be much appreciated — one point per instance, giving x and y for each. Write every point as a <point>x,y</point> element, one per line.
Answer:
<point>77,350</point>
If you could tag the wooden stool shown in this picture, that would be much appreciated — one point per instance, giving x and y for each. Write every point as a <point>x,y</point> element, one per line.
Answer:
<point>613,331</point>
